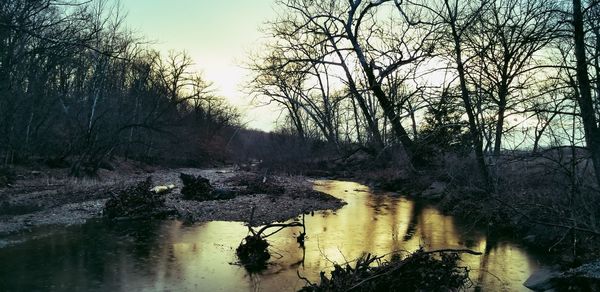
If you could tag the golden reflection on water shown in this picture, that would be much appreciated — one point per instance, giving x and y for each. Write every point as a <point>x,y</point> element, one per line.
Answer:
<point>383,224</point>
<point>172,256</point>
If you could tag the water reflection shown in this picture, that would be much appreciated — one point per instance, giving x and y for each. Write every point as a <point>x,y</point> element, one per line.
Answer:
<point>170,256</point>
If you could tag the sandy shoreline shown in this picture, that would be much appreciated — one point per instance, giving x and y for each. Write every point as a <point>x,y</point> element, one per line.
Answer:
<point>38,201</point>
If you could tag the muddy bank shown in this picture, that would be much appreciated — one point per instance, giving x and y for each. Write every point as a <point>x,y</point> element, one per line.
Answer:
<point>38,199</point>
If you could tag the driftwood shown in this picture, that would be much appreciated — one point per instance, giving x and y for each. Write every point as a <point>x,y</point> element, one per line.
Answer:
<point>199,188</point>
<point>195,188</point>
<point>253,251</point>
<point>420,271</point>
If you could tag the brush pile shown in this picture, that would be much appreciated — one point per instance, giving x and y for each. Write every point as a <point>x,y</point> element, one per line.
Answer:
<point>134,202</point>
<point>199,189</point>
<point>420,271</point>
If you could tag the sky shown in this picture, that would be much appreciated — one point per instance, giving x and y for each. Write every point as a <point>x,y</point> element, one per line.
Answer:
<point>217,34</point>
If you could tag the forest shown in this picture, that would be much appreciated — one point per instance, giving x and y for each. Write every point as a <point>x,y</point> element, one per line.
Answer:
<point>483,115</point>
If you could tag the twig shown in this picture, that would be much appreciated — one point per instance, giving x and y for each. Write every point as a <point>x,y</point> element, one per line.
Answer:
<point>395,268</point>
<point>469,251</point>
<point>281,225</point>
<point>561,239</point>
<point>304,278</point>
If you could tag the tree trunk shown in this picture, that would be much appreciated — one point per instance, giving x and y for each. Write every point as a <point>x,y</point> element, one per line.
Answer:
<point>372,125</point>
<point>586,106</point>
<point>370,122</point>
<point>413,119</point>
<point>473,130</point>
<point>356,122</point>
<point>382,98</point>
<point>597,68</point>
<point>499,127</point>
<point>390,113</point>
<point>373,128</point>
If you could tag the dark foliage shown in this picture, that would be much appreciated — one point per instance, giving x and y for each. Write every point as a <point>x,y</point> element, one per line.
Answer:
<point>77,90</point>
<point>443,129</point>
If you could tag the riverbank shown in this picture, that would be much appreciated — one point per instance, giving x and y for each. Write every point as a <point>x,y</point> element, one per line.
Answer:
<point>535,202</point>
<point>170,255</point>
<point>40,198</point>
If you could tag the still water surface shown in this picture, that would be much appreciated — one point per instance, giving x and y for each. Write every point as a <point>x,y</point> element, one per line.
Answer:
<point>171,256</point>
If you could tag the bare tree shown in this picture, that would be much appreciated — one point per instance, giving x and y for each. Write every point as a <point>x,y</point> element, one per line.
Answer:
<point>314,23</point>
<point>356,38</point>
<point>586,104</point>
<point>505,41</point>
<point>454,19</point>
<point>77,88</point>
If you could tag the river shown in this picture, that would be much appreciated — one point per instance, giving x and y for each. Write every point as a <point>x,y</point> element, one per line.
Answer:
<point>172,256</point>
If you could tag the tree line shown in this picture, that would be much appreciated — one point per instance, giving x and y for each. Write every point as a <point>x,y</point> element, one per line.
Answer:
<point>77,88</point>
<point>481,76</point>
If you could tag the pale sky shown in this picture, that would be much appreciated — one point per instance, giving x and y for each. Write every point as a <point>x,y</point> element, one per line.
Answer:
<point>217,34</point>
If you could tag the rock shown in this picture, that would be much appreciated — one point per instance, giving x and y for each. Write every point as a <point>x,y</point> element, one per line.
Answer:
<point>589,270</point>
<point>541,280</point>
<point>359,157</point>
<point>435,191</point>
<point>583,278</point>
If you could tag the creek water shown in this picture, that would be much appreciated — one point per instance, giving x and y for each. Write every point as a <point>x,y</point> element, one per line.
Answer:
<point>171,256</point>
